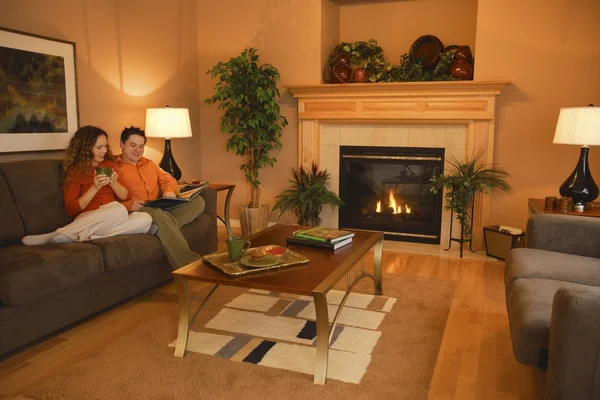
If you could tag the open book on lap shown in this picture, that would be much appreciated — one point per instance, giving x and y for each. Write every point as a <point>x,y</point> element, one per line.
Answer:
<point>187,193</point>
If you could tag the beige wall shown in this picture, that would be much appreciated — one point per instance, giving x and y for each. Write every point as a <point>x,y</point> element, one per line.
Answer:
<point>297,36</point>
<point>549,49</point>
<point>146,53</point>
<point>130,55</point>
<point>330,29</point>
<point>287,35</point>
<point>396,25</point>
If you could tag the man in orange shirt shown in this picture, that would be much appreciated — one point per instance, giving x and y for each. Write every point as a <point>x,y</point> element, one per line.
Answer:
<point>145,181</point>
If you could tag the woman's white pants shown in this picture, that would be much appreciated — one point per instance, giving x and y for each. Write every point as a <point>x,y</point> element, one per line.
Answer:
<point>109,220</point>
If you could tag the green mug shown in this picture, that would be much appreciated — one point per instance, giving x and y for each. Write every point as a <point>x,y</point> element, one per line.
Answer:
<point>107,171</point>
<point>236,246</point>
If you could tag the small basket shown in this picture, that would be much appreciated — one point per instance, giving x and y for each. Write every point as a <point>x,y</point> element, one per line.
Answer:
<point>498,243</point>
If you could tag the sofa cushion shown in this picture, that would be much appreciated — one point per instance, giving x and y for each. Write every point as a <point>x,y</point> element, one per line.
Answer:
<point>11,228</point>
<point>125,251</point>
<point>529,304</point>
<point>35,188</point>
<point>31,272</point>
<point>543,264</point>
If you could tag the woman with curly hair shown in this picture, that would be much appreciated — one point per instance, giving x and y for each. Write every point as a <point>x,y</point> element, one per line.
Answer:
<point>91,198</point>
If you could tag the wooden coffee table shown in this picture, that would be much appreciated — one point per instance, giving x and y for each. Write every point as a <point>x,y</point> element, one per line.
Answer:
<point>325,269</point>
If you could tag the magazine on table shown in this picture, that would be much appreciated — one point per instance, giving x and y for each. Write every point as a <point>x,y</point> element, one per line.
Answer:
<point>186,193</point>
<point>322,234</point>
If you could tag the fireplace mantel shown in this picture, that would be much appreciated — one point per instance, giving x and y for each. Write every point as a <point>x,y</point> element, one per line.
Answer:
<point>433,101</point>
<point>400,89</point>
<point>466,103</point>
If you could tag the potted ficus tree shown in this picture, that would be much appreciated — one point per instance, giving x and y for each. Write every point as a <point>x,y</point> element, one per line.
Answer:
<point>247,94</point>
<point>462,181</point>
<point>307,196</point>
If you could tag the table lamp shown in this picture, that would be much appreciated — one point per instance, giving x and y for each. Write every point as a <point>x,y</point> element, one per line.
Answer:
<point>579,125</point>
<point>168,123</point>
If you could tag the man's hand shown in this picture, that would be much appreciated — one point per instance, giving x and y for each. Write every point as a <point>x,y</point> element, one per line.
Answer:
<point>169,194</point>
<point>137,204</point>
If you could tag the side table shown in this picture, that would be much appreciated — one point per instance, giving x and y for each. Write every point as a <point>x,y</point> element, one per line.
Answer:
<point>220,187</point>
<point>536,206</point>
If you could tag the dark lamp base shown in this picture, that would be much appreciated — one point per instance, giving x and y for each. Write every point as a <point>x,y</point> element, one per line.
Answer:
<point>582,207</point>
<point>168,162</point>
<point>580,185</point>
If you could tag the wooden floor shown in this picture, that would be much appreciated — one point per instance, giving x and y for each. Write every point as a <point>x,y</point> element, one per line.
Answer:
<point>475,359</point>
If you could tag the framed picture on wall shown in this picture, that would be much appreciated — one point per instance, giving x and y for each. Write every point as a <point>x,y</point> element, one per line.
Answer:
<point>38,92</point>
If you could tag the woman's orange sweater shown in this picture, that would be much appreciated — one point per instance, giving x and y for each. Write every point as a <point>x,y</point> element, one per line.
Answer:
<point>75,189</point>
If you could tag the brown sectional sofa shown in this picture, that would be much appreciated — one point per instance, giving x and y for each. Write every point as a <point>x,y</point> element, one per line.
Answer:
<point>553,303</point>
<point>45,288</point>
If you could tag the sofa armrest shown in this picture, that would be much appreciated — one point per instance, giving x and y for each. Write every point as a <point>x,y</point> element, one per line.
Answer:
<point>564,234</point>
<point>574,353</point>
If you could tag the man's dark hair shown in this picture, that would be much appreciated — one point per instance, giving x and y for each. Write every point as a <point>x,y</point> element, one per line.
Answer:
<point>132,130</point>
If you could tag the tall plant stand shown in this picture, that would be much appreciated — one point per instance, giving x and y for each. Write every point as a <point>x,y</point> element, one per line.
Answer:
<point>462,239</point>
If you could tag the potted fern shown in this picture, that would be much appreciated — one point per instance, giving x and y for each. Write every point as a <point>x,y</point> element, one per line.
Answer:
<point>247,94</point>
<point>463,180</point>
<point>307,196</point>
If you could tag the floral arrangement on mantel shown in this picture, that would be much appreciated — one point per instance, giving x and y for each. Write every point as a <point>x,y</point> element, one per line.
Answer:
<point>360,62</point>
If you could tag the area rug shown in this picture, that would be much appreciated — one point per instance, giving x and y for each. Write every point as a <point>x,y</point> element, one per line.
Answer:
<point>260,345</point>
<point>287,330</point>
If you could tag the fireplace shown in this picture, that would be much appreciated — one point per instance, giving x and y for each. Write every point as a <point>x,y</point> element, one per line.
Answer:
<point>387,189</point>
<point>362,114</point>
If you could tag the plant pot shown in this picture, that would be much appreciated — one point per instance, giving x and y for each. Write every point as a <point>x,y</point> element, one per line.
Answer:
<point>253,220</point>
<point>311,217</point>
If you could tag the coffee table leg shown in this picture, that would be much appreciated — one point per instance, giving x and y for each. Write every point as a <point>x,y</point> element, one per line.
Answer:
<point>322,338</point>
<point>377,264</point>
<point>184,315</point>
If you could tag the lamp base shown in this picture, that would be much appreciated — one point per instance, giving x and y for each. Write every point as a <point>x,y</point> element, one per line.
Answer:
<point>168,162</point>
<point>582,207</point>
<point>580,185</point>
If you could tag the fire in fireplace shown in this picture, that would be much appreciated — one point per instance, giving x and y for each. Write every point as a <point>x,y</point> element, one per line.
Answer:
<point>387,189</point>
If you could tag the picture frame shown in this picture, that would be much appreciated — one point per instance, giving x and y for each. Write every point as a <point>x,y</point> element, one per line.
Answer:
<point>38,92</point>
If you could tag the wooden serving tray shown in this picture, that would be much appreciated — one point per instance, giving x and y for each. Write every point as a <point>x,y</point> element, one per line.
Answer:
<point>222,262</point>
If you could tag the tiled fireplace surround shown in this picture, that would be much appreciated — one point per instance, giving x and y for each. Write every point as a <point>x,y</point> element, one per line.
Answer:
<point>458,116</point>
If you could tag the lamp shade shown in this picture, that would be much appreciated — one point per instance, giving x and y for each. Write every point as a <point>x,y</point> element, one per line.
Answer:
<point>168,122</point>
<point>578,125</point>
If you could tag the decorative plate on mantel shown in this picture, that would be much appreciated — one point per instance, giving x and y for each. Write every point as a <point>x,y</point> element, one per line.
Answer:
<point>427,48</point>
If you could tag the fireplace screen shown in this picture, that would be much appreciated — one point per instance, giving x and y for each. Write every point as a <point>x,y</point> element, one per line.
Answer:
<point>387,189</point>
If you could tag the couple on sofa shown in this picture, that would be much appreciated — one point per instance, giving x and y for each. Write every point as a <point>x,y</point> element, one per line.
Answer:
<point>91,198</point>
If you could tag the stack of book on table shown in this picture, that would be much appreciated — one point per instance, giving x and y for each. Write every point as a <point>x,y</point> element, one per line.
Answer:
<point>326,238</point>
